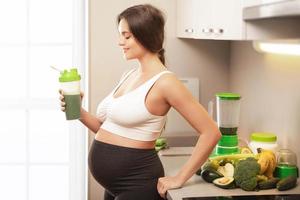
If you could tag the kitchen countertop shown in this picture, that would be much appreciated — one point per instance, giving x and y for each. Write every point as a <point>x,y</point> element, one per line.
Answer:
<point>196,187</point>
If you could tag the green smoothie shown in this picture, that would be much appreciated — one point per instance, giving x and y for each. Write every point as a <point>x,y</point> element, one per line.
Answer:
<point>73,104</point>
<point>228,131</point>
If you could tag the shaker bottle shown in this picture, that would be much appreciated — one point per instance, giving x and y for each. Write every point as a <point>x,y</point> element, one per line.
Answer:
<point>70,85</point>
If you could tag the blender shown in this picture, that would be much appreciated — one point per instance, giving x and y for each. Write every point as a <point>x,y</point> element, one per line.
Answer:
<point>228,112</point>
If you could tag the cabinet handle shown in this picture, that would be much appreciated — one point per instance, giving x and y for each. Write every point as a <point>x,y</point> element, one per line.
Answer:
<point>189,30</point>
<point>207,30</point>
<point>218,31</point>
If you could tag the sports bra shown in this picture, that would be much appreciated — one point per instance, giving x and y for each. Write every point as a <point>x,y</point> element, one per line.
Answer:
<point>127,115</point>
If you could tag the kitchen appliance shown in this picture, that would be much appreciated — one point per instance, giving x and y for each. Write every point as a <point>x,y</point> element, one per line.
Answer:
<point>286,164</point>
<point>228,112</point>
<point>275,9</point>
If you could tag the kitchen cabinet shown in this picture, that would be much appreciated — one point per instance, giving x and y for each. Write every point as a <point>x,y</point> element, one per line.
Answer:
<point>185,18</point>
<point>203,19</point>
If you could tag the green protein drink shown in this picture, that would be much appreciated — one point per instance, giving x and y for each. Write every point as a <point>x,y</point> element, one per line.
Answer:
<point>70,85</point>
<point>73,104</point>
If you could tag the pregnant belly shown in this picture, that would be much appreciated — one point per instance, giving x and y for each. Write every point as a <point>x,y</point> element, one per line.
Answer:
<point>111,138</point>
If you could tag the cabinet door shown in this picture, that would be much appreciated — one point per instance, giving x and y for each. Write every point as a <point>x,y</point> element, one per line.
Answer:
<point>227,21</point>
<point>210,19</point>
<point>185,18</point>
<point>203,19</point>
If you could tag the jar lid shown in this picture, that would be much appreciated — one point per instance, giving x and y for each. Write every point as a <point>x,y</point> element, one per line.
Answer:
<point>69,76</point>
<point>228,96</point>
<point>263,137</point>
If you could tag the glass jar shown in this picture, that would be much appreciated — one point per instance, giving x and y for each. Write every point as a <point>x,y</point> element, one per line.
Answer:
<point>286,164</point>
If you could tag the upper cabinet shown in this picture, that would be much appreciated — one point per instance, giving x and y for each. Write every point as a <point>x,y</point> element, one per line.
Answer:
<point>210,19</point>
<point>186,18</point>
<point>223,20</point>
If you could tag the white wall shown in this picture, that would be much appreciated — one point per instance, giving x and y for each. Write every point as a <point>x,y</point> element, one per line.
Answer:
<point>269,85</point>
<point>206,60</point>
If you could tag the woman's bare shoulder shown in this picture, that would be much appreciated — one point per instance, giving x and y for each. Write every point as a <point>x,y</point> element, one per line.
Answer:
<point>168,80</point>
<point>171,88</point>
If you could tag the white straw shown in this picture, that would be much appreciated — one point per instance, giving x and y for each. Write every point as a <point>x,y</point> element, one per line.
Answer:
<point>55,68</point>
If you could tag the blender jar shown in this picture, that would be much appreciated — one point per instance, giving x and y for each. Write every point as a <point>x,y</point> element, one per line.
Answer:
<point>228,112</point>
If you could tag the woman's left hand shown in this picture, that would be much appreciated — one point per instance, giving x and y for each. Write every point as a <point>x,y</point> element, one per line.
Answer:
<point>166,183</point>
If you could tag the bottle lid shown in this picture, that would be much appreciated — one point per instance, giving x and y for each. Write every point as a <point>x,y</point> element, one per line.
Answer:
<point>228,96</point>
<point>263,137</point>
<point>68,76</point>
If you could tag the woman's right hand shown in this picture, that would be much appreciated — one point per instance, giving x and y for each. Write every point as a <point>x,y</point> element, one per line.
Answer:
<point>62,100</point>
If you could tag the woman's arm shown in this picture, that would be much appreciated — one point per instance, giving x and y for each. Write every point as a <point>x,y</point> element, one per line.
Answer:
<point>177,96</point>
<point>90,121</point>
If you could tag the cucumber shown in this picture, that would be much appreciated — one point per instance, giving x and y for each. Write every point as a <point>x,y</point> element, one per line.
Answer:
<point>268,184</point>
<point>287,183</point>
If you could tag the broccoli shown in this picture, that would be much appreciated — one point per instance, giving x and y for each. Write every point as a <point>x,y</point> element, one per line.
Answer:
<point>245,174</point>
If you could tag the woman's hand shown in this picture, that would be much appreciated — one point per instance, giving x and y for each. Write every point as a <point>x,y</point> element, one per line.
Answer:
<point>62,100</point>
<point>166,183</point>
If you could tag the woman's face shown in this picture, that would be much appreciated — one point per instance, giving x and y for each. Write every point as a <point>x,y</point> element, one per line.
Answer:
<point>132,49</point>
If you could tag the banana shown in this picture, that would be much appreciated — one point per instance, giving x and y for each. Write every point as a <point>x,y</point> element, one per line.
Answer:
<point>272,164</point>
<point>263,161</point>
<point>267,162</point>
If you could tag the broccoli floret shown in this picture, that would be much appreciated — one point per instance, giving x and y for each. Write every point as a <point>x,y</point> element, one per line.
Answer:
<point>245,174</point>
<point>249,185</point>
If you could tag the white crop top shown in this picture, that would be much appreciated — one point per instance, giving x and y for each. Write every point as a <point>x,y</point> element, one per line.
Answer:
<point>127,115</point>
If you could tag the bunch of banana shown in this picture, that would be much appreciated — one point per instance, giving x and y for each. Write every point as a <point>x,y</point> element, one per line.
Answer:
<point>267,162</point>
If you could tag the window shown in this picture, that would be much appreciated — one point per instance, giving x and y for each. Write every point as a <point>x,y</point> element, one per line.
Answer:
<point>42,156</point>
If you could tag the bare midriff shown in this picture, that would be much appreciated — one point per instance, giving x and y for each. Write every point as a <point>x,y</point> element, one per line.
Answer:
<point>111,138</point>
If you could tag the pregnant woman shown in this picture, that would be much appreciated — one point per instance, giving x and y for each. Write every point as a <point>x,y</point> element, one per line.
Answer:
<point>132,116</point>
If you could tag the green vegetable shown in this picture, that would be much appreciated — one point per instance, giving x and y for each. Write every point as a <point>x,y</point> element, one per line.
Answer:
<point>198,172</point>
<point>160,142</point>
<point>249,185</point>
<point>227,170</point>
<point>209,175</point>
<point>287,183</point>
<point>210,165</point>
<point>268,184</point>
<point>245,174</point>
<point>261,178</point>
<point>158,148</point>
<point>224,182</point>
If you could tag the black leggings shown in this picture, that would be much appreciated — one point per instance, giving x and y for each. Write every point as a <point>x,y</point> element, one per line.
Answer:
<point>125,173</point>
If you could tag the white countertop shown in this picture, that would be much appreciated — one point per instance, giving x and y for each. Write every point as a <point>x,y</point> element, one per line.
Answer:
<point>196,187</point>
